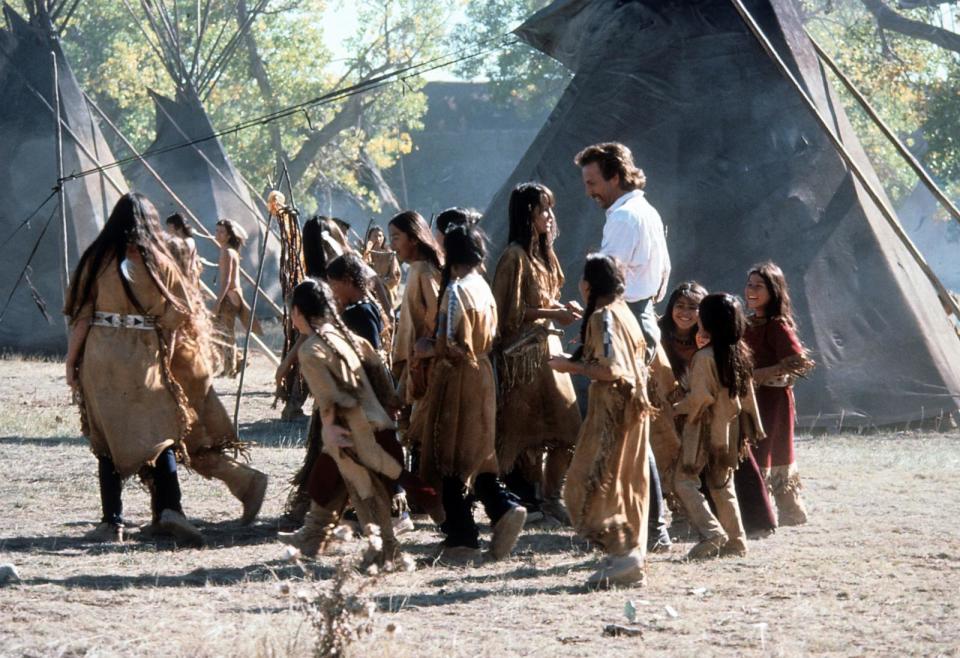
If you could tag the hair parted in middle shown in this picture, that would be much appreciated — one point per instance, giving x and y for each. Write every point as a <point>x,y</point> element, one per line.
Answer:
<point>613,158</point>
<point>524,200</point>
<point>415,227</point>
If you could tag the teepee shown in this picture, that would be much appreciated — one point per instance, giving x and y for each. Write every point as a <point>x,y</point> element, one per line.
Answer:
<point>201,174</point>
<point>28,172</point>
<point>741,172</point>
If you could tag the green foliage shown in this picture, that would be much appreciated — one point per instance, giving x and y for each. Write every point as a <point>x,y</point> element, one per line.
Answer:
<point>110,50</point>
<point>520,76</point>
<point>912,83</point>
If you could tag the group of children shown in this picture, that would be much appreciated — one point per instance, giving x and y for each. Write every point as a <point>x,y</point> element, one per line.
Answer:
<point>476,379</point>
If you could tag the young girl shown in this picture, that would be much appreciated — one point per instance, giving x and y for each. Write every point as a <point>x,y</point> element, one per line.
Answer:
<point>411,239</point>
<point>779,358</point>
<point>178,228</point>
<point>332,362</point>
<point>607,491</point>
<point>538,407</point>
<point>678,328</point>
<point>230,302</point>
<point>126,303</point>
<point>457,428</point>
<point>720,411</point>
<point>384,262</point>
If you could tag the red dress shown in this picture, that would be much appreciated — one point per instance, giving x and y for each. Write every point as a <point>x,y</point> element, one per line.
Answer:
<point>771,342</point>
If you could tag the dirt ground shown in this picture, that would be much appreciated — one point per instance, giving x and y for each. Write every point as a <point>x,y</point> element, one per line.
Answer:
<point>877,570</point>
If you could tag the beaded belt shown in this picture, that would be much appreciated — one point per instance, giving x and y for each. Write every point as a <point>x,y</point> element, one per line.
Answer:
<point>120,321</point>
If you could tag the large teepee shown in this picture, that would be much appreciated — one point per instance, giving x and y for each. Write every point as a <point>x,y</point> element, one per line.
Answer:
<point>741,172</point>
<point>28,172</point>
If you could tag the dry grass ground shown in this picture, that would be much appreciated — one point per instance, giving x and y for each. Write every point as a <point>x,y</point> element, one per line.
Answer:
<point>877,571</point>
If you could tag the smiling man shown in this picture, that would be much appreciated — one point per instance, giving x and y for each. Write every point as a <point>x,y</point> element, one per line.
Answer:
<point>634,234</point>
<point>633,231</point>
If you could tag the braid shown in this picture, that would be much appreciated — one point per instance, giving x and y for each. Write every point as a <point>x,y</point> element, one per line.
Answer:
<point>587,312</point>
<point>444,282</point>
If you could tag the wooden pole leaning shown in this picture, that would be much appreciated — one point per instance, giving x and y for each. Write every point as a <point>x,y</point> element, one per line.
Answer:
<point>61,194</point>
<point>166,188</point>
<point>898,144</point>
<point>253,318</point>
<point>949,303</point>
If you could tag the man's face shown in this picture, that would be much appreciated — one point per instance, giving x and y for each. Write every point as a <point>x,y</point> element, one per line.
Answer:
<point>604,192</point>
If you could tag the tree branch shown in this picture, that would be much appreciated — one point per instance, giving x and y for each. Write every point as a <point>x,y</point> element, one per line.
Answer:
<point>259,72</point>
<point>889,19</point>
<point>344,118</point>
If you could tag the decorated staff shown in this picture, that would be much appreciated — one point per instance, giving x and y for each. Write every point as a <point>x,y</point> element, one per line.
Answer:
<point>290,387</point>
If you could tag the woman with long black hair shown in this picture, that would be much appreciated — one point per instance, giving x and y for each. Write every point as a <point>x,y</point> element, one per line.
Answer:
<point>537,407</point>
<point>126,302</point>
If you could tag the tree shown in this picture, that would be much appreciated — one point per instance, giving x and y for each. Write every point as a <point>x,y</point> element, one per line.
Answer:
<point>906,63</point>
<point>519,74</point>
<point>248,58</point>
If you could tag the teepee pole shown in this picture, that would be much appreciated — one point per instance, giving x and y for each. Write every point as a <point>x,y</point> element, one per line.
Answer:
<point>898,144</point>
<point>949,303</point>
<point>190,214</point>
<point>61,195</point>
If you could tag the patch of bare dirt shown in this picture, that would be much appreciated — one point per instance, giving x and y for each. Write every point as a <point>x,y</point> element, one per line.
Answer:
<point>877,570</point>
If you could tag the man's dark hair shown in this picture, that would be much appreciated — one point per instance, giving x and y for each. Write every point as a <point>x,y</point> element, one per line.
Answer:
<point>613,158</point>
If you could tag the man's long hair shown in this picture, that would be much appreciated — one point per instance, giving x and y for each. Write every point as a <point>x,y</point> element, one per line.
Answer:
<point>133,222</point>
<point>613,158</point>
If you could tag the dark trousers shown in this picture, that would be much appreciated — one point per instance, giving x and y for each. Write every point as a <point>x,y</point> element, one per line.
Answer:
<point>657,520</point>
<point>459,527</point>
<point>647,317</point>
<point>164,492</point>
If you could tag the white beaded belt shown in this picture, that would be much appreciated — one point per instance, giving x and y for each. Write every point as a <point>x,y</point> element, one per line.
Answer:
<point>146,322</point>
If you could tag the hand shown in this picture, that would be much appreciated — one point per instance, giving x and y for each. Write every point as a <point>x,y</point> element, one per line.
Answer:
<point>574,306</point>
<point>281,373</point>
<point>336,436</point>
<point>565,316</point>
<point>562,364</point>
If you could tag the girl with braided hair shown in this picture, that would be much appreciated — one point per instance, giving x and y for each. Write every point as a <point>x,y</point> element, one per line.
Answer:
<point>456,429</point>
<point>607,491</point>
<point>126,303</point>
<point>721,416</point>
<point>361,459</point>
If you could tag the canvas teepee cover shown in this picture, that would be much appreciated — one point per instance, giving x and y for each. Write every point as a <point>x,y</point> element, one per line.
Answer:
<point>28,171</point>
<point>741,172</point>
<point>210,186</point>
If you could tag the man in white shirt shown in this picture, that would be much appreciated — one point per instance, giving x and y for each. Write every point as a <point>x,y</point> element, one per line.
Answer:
<point>634,234</point>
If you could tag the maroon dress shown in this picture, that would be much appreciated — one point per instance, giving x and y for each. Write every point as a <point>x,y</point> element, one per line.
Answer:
<point>752,496</point>
<point>771,342</point>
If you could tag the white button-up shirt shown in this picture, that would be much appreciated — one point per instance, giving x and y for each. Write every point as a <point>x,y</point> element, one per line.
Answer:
<point>634,234</point>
